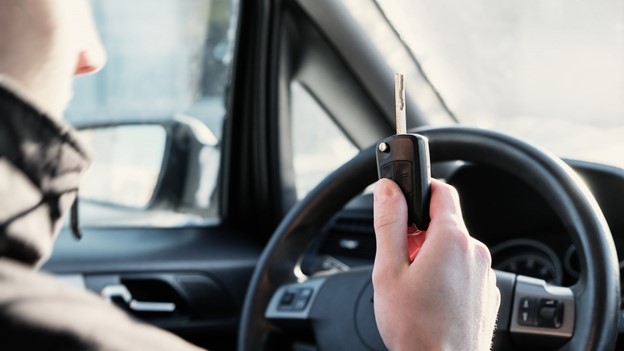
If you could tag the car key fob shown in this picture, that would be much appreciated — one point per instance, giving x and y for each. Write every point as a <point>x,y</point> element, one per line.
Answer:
<point>404,158</point>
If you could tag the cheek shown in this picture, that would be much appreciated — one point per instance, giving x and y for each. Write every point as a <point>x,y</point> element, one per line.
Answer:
<point>62,59</point>
<point>55,36</point>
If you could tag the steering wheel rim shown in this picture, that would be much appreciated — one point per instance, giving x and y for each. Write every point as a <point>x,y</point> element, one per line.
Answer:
<point>597,296</point>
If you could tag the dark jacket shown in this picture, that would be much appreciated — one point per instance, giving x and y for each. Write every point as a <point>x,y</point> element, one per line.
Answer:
<point>41,163</point>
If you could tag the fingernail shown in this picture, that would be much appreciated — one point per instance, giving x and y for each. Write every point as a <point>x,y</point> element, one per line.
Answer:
<point>413,230</point>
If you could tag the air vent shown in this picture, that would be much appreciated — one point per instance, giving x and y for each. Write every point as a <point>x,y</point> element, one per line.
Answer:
<point>351,235</point>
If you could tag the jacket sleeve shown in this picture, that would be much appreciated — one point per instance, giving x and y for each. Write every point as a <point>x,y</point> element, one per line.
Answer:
<point>38,312</point>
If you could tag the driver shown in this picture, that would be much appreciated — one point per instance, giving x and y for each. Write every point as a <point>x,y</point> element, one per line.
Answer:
<point>445,299</point>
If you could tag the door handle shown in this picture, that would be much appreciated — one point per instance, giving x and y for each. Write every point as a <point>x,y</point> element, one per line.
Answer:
<point>120,292</point>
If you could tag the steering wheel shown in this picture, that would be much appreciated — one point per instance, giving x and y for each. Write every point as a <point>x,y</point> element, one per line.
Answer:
<point>338,308</point>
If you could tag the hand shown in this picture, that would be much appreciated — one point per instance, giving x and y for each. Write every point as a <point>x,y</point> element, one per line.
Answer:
<point>446,299</point>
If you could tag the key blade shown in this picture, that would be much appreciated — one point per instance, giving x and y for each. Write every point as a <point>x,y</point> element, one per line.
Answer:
<point>399,101</point>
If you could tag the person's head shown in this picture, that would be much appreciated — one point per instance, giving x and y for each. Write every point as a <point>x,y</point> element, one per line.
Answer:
<point>44,44</point>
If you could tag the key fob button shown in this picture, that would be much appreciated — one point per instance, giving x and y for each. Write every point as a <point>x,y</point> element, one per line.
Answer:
<point>404,175</point>
<point>387,171</point>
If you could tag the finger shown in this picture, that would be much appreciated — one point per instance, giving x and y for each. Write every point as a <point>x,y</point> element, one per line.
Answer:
<point>447,234</point>
<point>493,298</point>
<point>494,289</point>
<point>444,206</point>
<point>390,220</point>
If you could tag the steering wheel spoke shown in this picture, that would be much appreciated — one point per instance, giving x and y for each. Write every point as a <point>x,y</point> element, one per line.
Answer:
<point>533,313</point>
<point>293,302</point>
<point>338,308</point>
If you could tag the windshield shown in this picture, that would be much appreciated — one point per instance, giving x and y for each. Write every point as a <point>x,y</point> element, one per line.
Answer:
<point>550,72</point>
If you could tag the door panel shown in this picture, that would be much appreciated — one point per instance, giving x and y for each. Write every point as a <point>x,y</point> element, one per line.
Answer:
<point>204,273</point>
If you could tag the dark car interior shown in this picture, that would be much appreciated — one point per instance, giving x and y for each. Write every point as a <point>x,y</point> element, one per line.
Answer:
<point>269,260</point>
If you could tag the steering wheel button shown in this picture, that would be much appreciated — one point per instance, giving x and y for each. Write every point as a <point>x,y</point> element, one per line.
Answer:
<point>300,305</point>
<point>527,303</point>
<point>287,298</point>
<point>403,173</point>
<point>550,313</point>
<point>524,318</point>
<point>295,299</point>
<point>547,313</point>
<point>527,311</point>
<point>549,302</point>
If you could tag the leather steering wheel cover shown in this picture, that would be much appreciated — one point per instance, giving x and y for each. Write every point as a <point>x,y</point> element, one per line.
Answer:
<point>596,293</point>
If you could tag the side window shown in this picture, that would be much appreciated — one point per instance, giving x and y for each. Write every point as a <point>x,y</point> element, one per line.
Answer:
<point>319,145</point>
<point>154,114</point>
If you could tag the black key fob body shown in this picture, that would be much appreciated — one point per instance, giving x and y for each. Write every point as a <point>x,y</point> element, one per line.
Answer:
<point>404,158</point>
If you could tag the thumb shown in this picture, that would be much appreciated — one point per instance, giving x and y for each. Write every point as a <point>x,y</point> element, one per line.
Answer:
<point>390,219</point>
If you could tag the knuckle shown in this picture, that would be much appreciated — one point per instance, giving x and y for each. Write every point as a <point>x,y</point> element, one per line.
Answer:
<point>453,222</point>
<point>482,253</point>
<point>379,276</point>
<point>459,238</point>
<point>450,190</point>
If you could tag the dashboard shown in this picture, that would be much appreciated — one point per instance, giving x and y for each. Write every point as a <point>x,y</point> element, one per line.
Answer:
<point>524,234</point>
